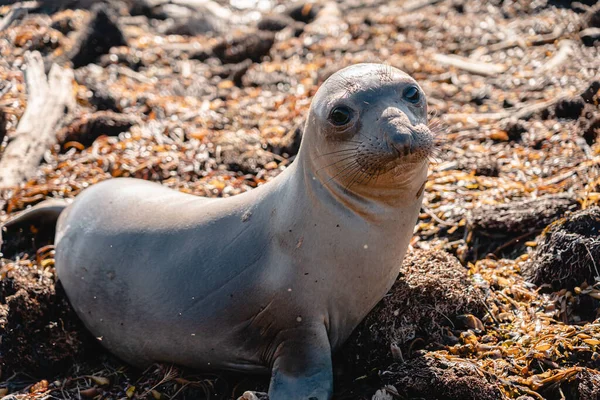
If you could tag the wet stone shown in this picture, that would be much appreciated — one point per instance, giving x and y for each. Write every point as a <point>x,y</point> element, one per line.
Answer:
<point>569,108</point>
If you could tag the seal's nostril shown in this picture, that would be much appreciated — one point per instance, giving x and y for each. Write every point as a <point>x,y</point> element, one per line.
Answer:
<point>400,142</point>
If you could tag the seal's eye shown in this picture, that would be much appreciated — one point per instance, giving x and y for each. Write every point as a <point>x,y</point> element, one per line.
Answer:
<point>340,116</point>
<point>412,94</point>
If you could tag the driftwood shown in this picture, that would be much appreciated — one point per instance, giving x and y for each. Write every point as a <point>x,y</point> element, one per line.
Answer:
<point>328,21</point>
<point>47,100</point>
<point>466,64</point>
<point>565,50</point>
<point>416,5</point>
<point>521,113</point>
<point>14,14</point>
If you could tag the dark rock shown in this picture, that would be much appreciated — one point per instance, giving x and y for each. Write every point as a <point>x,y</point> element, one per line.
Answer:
<point>304,12</point>
<point>87,128</point>
<point>591,130</point>
<point>126,58</point>
<point>190,18</point>
<point>251,46</point>
<point>102,98</point>
<point>569,108</point>
<point>483,166</point>
<point>506,103</point>
<point>143,7</point>
<point>459,6</point>
<point>240,71</point>
<point>518,217</point>
<point>233,72</point>
<point>590,36</point>
<point>495,227</point>
<point>64,25</point>
<point>593,17</point>
<point>438,379</point>
<point>3,123</point>
<point>275,23</point>
<point>567,251</point>
<point>199,24</point>
<point>479,96</point>
<point>52,6</point>
<point>97,39</point>
<point>157,10</point>
<point>514,128</point>
<point>431,291</point>
<point>200,55</point>
<point>592,93</point>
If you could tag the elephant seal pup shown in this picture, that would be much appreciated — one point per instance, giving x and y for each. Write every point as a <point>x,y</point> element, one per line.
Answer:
<point>274,279</point>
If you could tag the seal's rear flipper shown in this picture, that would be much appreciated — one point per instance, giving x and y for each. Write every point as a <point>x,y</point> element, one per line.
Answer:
<point>42,215</point>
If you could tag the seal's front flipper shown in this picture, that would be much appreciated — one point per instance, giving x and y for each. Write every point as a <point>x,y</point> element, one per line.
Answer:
<point>302,367</point>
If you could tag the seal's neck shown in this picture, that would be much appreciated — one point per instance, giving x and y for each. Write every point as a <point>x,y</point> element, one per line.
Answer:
<point>373,201</point>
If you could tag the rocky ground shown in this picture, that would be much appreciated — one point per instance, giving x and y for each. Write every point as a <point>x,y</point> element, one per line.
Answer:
<point>500,294</point>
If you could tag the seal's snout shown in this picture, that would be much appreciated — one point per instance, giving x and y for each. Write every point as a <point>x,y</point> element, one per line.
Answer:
<point>397,131</point>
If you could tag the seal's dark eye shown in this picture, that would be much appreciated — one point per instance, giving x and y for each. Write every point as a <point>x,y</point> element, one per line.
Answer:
<point>340,116</point>
<point>412,94</point>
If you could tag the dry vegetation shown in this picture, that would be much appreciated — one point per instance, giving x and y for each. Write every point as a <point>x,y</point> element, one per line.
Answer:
<point>500,296</point>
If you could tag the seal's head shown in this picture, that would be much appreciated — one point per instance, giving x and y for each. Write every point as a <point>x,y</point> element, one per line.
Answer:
<point>368,127</point>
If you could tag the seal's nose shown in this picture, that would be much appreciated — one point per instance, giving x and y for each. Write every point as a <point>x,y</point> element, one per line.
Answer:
<point>396,129</point>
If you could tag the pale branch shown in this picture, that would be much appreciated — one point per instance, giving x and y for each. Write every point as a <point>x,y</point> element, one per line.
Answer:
<point>466,64</point>
<point>48,99</point>
<point>565,50</point>
<point>13,15</point>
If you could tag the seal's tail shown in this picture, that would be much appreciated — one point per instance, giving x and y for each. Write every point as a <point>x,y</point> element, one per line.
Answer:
<point>46,212</point>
